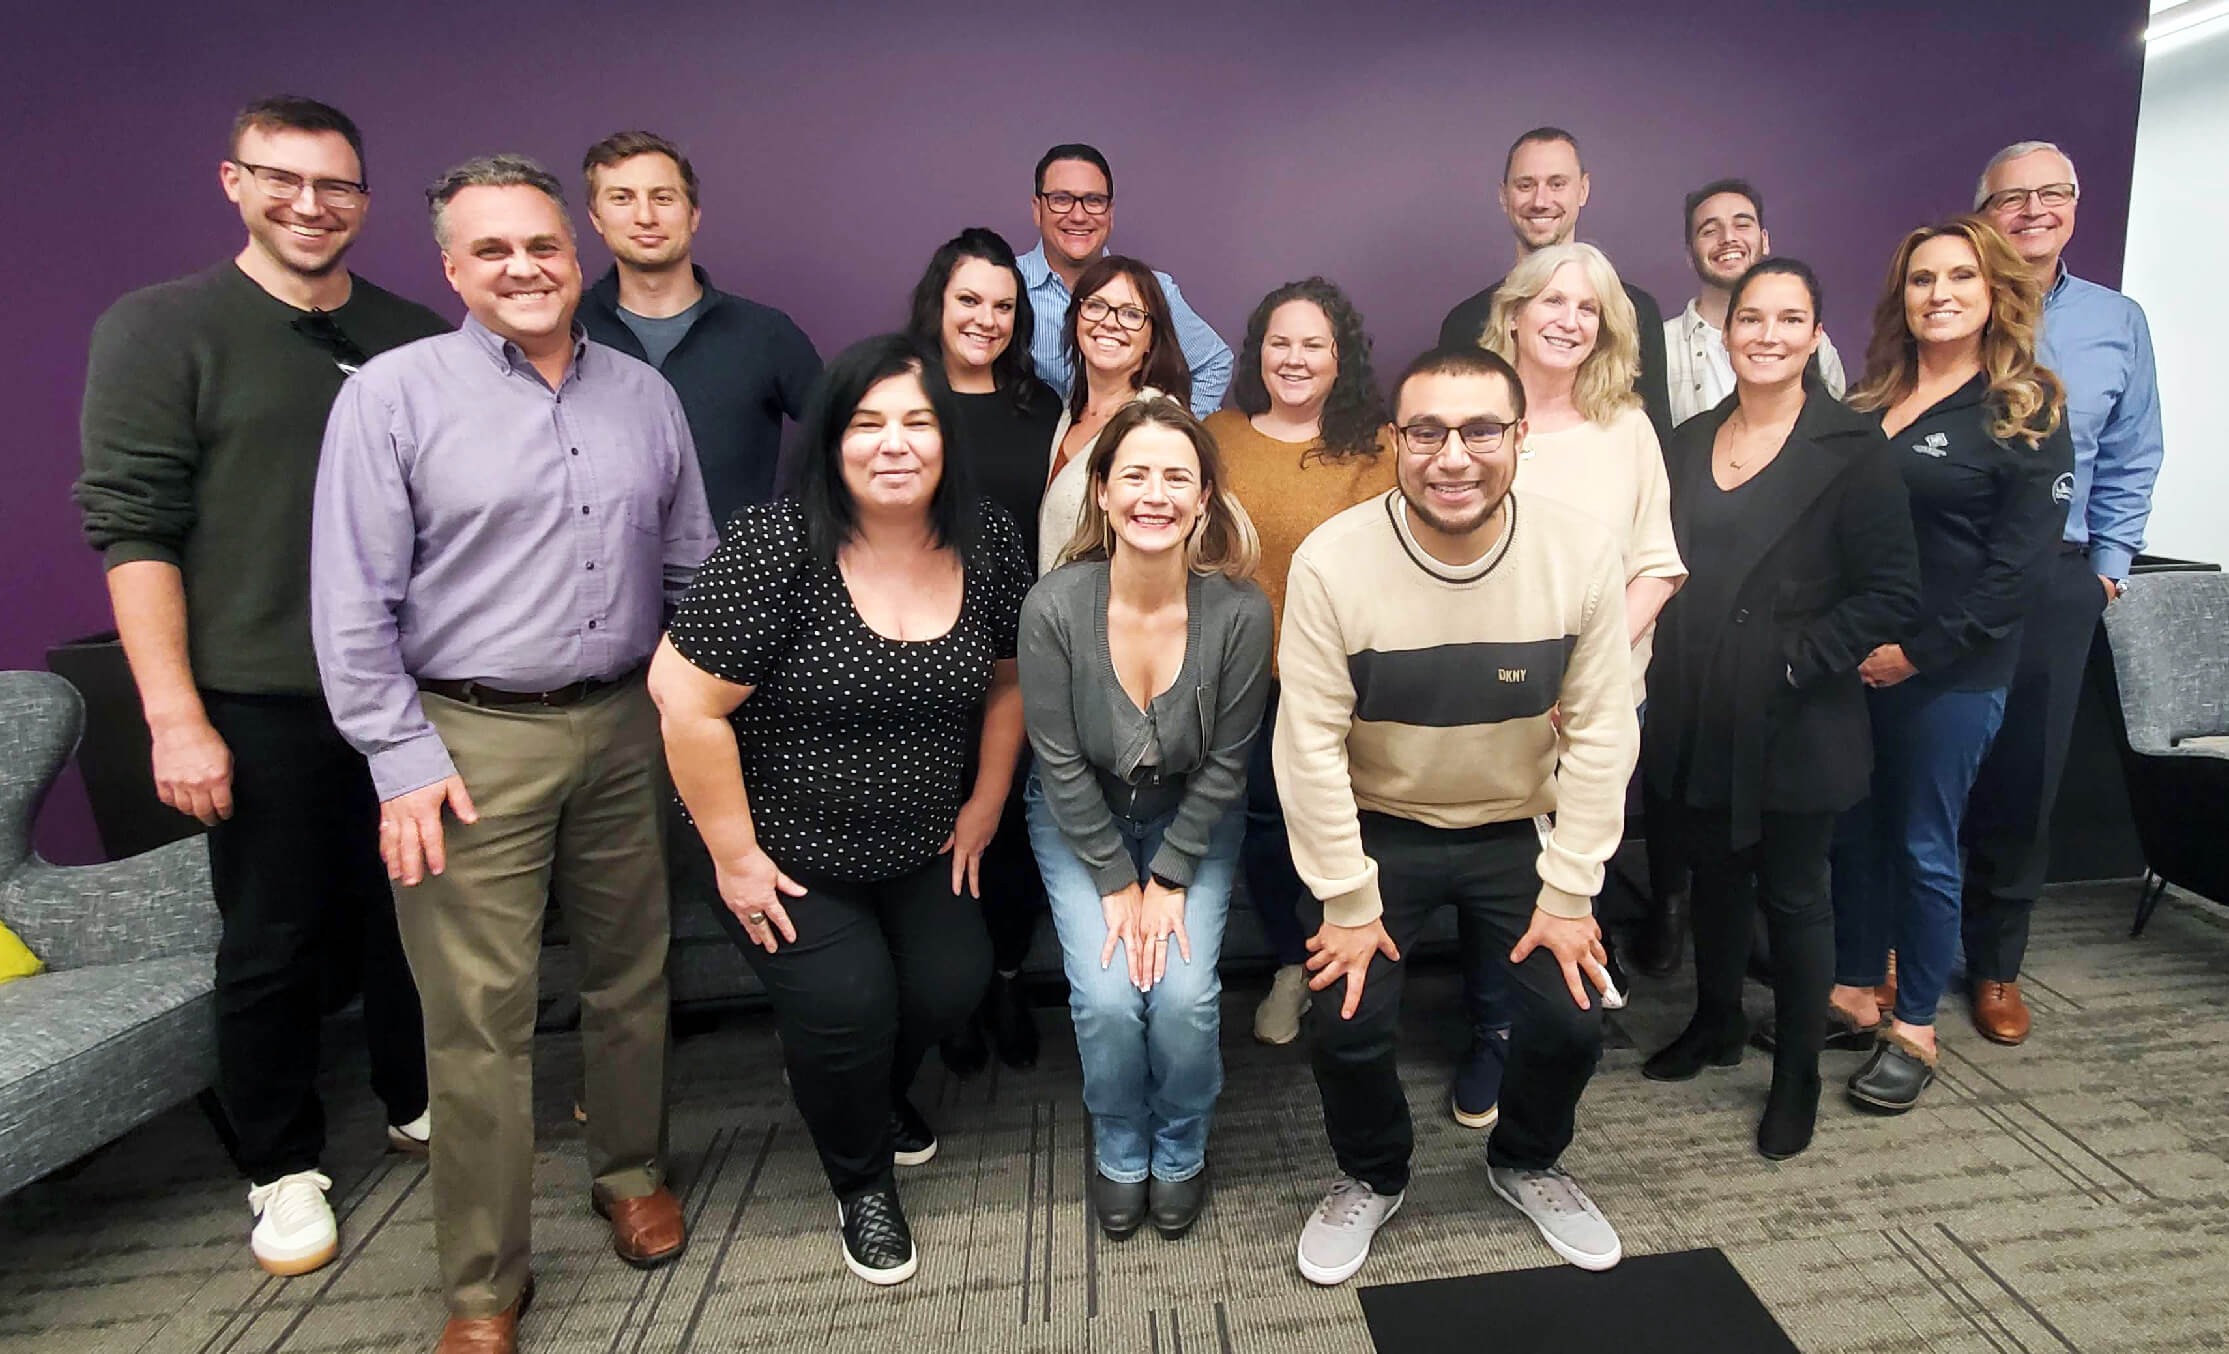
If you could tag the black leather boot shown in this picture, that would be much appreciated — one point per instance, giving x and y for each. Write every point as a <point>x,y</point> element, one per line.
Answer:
<point>1791,1113</point>
<point>1706,1042</point>
<point>1121,1208</point>
<point>1012,1026</point>
<point>1175,1204</point>
<point>1660,941</point>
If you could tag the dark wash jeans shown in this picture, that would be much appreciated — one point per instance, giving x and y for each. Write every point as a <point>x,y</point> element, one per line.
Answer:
<point>1896,866</point>
<point>298,879</point>
<point>1272,886</point>
<point>879,973</point>
<point>1490,876</point>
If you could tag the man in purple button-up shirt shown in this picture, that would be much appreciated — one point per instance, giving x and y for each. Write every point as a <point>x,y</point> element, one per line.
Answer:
<point>503,515</point>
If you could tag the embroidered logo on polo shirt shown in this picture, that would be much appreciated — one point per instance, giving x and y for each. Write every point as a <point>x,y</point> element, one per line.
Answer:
<point>2062,488</point>
<point>1934,444</point>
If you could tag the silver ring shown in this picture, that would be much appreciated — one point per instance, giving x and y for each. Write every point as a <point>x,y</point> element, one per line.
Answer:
<point>756,919</point>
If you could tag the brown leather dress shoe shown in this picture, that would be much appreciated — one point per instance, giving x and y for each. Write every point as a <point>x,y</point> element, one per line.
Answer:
<point>498,1334</point>
<point>1999,1013</point>
<point>645,1232</point>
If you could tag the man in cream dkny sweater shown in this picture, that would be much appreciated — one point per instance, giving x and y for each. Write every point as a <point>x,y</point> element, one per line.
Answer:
<point>1455,672</point>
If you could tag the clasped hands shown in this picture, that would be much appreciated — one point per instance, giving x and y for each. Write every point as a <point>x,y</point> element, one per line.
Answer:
<point>1142,918</point>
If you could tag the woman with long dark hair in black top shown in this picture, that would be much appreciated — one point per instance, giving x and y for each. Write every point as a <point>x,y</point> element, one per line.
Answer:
<point>1798,542</point>
<point>1979,433</point>
<point>971,307</point>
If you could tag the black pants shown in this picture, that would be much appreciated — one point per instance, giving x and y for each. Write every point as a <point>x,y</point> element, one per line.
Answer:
<point>878,973</point>
<point>1489,875</point>
<point>2008,815</point>
<point>300,886</point>
<point>1266,857</point>
<point>1786,873</point>
<point>1013,894</point>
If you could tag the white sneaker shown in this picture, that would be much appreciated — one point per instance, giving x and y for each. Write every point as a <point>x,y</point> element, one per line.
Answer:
<point>414,1139</point>
<point>294,1228</point>
<point>1570,1222</point>
<point>1337,1237</point>
<point>1277,1019</point>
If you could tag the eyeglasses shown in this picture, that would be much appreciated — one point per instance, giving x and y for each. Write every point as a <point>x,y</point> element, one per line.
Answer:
<point>1095,310</point>
<point>1094,204</point>
<point>286,186</point>
<point>1480,437</point>
<point>2013,199</point>
<point>319,328</point>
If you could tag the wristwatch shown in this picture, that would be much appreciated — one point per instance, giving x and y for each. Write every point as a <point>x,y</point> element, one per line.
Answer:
<point>2120,588</point>
<point>1165,882</point>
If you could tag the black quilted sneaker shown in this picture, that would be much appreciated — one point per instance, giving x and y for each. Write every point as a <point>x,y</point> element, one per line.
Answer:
<point>912,1141</point>
<point>878,1246</point>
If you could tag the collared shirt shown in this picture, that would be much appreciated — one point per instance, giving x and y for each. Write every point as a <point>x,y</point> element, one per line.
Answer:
<point>472,524</point>
<point>1699,375</point>
<point>2099,344</point>
<point>1204,350</point>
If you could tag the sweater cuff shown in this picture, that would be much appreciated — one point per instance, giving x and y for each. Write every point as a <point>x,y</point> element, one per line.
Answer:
<point>1114,876</point>
<point>130,552</point>
<point>1171,863</point>
<point>1557,903</point>
<point>1929,650</point>
<point>1356,907</point>
<point>411,765</point>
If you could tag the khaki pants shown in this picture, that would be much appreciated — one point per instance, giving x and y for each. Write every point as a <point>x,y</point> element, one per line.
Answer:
<point>568,802</point>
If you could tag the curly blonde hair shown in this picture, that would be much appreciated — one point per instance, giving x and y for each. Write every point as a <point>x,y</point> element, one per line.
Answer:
<point>1605,383</point>
<point>2028,398</point>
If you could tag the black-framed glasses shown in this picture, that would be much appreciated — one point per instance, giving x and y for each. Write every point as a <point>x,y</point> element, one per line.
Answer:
<point>1094,204</point>
<point>2013,199</point>
<point>1132,318</point>
<point>319,328</point>
<point>286,185</point>
<point>1480,437</point>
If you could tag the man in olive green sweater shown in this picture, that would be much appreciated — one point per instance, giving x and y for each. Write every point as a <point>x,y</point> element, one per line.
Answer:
<point>1455,671</point>
<point>205,405</point>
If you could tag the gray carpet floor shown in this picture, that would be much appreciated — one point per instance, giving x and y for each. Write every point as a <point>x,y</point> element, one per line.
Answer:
<point>2071,1194</point>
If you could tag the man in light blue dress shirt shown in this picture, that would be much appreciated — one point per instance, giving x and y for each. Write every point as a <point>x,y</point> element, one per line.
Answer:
<point>2098,343</point>
<point>1073,205</point>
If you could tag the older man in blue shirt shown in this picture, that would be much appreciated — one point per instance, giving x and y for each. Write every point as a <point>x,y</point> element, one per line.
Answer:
<point>503,516</point>
<point>1073,205</point>
<point>2097,341</point>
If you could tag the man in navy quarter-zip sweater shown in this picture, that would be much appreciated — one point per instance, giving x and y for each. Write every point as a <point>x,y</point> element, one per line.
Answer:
<point>738,366</point>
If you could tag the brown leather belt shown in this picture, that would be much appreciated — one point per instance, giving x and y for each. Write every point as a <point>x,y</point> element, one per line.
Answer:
<point>476,693</point>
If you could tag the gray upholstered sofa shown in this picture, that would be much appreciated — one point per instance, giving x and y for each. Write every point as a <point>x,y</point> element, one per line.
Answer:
<point>120,1027</point>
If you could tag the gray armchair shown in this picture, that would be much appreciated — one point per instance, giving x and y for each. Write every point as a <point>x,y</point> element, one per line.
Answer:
<point>2170,642</point>
<point>121,1025</point>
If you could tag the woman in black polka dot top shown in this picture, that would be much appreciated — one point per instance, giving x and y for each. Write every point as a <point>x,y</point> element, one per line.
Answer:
<point>819,688</point>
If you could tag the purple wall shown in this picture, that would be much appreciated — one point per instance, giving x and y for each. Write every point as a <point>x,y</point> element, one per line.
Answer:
<point>839,144</point>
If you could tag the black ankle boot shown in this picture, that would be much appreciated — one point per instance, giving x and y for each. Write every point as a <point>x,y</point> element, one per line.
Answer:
<point>1704,1043</point>
<point>964,1051</point>
<point>1791,1112</point>
<point>1013,1027</point>
<point>1660,942</point>
<point>1121,1208</point>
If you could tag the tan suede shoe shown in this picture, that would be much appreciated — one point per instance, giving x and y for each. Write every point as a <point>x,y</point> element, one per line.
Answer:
<point>1999,1013</point>
<point>498,1334</point>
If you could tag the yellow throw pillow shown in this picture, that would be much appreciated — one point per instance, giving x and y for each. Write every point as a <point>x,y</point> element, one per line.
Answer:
<point>16,959</point>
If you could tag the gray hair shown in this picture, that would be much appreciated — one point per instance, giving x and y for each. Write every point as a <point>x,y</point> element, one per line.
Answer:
<point>492,171</point>
<point>2014,152</point>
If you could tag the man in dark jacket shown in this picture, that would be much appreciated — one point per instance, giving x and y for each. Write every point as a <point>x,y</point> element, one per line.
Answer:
<point>737,365</point>
<point>1543,186</point>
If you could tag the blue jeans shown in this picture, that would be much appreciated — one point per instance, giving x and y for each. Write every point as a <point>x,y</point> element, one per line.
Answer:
<point>1896,868</point>
<point>1151,1060</point>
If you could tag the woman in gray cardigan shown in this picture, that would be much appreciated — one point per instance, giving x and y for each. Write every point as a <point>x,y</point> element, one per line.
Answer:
<point>1144,664</point>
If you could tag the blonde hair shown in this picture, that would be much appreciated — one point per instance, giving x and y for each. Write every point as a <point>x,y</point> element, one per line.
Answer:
<point>1604,387</point>
<point>2028,398</point>
<point>1222,542</point>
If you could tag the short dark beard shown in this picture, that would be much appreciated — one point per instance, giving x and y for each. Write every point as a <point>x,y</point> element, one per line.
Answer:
<point>1431,518</point>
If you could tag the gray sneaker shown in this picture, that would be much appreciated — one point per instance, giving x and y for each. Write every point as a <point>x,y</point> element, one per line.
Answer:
<point>1337,1238</point>
<point>1568,1220</point>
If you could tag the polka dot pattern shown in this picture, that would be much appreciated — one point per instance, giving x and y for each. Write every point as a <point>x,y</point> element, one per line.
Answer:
<point>854,745</point>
